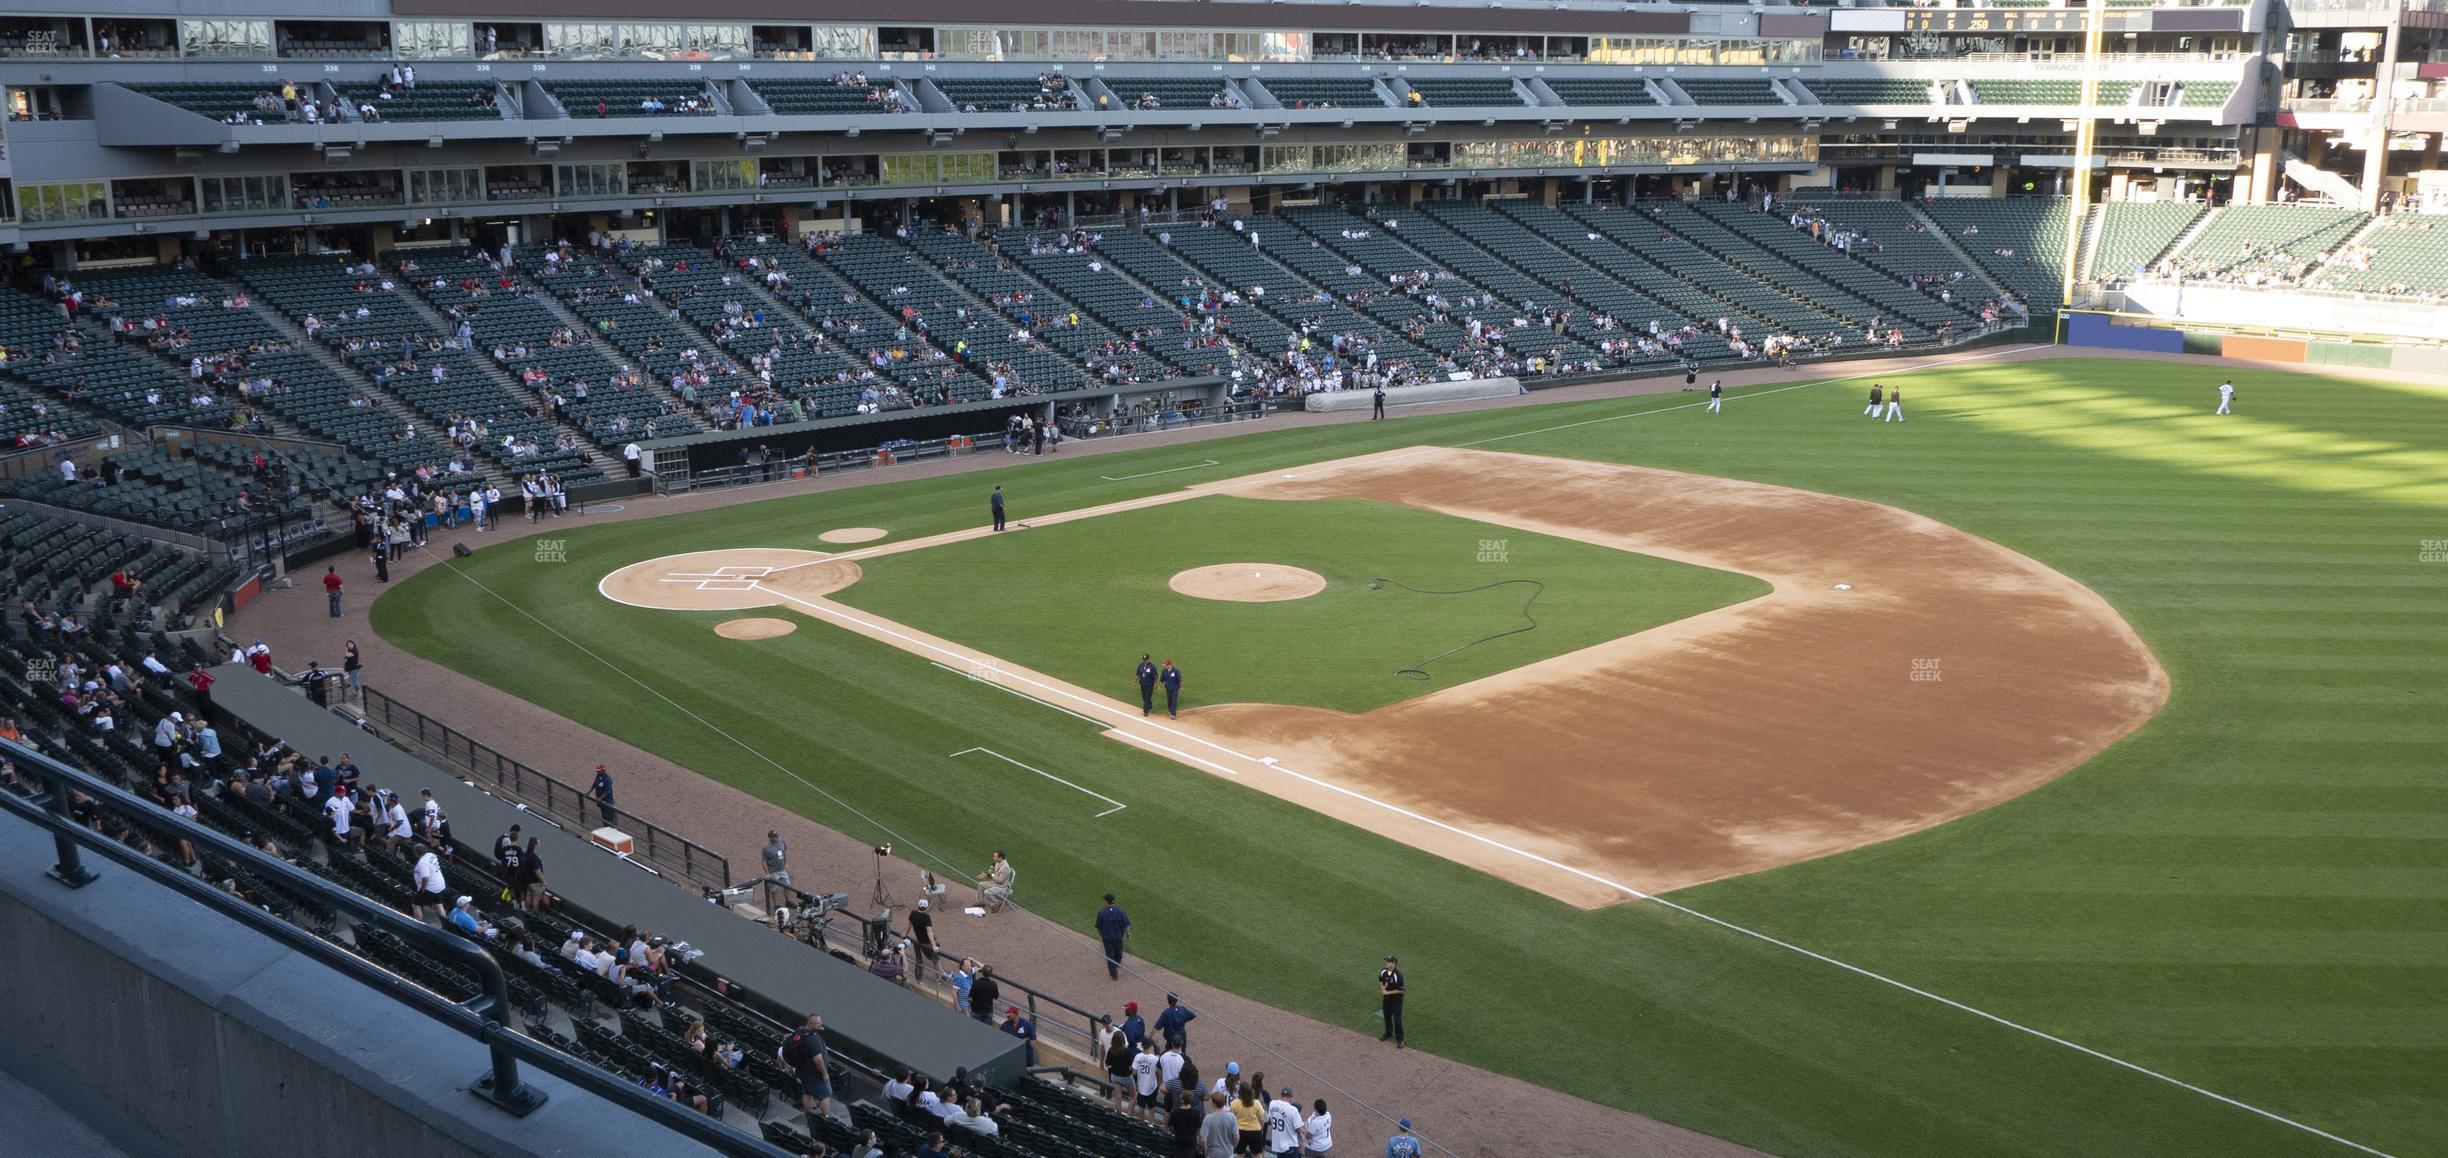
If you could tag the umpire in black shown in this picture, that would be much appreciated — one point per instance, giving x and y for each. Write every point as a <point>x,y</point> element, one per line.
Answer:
<point>1147,685</point>
<point>1390,995</point>
<point>1172,684</point>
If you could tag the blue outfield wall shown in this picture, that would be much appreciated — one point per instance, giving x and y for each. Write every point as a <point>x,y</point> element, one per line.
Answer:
<point>2101,332</point>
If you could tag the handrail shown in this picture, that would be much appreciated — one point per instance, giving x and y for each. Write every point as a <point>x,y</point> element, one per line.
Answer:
<point>478,1018</point>
<point>404,726</point>
<point>918,971</point>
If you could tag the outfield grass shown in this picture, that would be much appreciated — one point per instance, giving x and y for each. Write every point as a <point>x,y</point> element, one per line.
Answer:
<point>2250,894</point>
<point>1082,600</point>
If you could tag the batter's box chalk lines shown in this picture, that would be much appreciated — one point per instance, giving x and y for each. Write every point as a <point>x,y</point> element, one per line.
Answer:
<point>1154,473</point>
<point>713,584</point>
<point>1117,805</point>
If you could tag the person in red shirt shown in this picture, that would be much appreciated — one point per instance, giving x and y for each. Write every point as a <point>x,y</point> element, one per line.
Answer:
<point>259,657</point>
<point>202,682</point>
<point>331,588</point>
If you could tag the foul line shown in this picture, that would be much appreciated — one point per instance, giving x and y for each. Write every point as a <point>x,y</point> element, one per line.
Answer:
<point>1094,705</point>
<point>976,678</point>
<point>1117,805</point>
<point>1061,929</point>
<point>1636,894</point>
<point>1154,473</point>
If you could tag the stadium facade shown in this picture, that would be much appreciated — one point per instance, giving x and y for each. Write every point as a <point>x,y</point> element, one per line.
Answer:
<point>144,130</point>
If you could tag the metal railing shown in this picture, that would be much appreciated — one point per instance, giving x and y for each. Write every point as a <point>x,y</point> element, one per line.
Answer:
<point>1073,1030</point>
<point>658,847</point>
<point>479,1017</point>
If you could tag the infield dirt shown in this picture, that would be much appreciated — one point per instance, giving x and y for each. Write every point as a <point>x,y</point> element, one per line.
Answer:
<point>1953,674</point>
<point>1248,582</point>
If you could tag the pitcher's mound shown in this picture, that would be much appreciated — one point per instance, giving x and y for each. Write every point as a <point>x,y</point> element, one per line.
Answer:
<point>854,534</point>
<point>1249,582</point>
<point>732,580</point>
<point>754,628</point>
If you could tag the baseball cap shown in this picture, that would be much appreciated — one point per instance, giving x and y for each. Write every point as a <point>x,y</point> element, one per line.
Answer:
<point>1287,1091</point>
<point>464,901</point>
<point>1406,1123</point>
<point>599,767</point>
<point>922,902</point>
<point>1127,1006</point>
<point>1232,1067</point>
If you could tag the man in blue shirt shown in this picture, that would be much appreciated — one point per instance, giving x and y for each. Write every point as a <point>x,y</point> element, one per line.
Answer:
<point>962,979</point>
<point>1134,1030</point>
<point>601,790</point>
<point>463,918</point>
<point>1172,1026</point>
<point>1113,927</point>
<point>1403,1145</point>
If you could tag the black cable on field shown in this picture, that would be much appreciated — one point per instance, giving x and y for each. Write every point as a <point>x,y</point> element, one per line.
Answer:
<point>1419,671</point>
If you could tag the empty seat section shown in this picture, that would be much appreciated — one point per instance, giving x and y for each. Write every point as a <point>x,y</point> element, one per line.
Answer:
<point>1729,91</point>
<point>1466,92</point>
<point>2134,233</point>
<point>1602,92</point>
<point>1309,92</point>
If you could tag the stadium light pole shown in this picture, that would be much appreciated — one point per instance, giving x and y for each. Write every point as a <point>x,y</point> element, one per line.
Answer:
<point>2086,139</point>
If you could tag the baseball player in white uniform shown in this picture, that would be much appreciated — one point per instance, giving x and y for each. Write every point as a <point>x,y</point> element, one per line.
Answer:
<point>1716,395</point>
<point>2226,396</point>
<point>1895,405</point>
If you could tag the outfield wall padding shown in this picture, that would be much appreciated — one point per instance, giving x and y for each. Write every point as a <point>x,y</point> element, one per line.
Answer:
<point>2210,344</point>
<point>2349,354</point>
<point>2101,332</point>
<point>2419,360</point>
<point>1419,395</point>
<point>2264,349</point>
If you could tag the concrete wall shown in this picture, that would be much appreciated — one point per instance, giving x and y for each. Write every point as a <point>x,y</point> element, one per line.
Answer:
<point>2228,306</point>
<point>174,1030</point>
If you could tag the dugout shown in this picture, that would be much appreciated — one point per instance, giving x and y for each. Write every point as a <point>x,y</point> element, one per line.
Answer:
<point>926,429</point>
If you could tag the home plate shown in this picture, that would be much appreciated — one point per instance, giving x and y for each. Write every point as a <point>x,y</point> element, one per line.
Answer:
<point>1844,587</point>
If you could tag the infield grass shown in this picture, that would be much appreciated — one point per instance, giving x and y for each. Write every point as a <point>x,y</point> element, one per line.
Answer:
<point>2249,894</point>
<point>1082,600</point>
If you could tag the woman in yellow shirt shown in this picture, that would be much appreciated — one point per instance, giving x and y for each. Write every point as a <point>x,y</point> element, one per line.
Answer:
<point>1249,1117</point>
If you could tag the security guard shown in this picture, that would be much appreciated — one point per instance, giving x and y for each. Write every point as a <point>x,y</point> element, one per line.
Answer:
<point>1172,683</point>
<point>1147,685</point>
<point>1390,995</point>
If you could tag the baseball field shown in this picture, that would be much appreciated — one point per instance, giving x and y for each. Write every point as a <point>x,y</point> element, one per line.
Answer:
<point>2055,772</point>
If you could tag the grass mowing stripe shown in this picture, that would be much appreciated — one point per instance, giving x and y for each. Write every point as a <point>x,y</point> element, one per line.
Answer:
<point>1671,1017</point>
